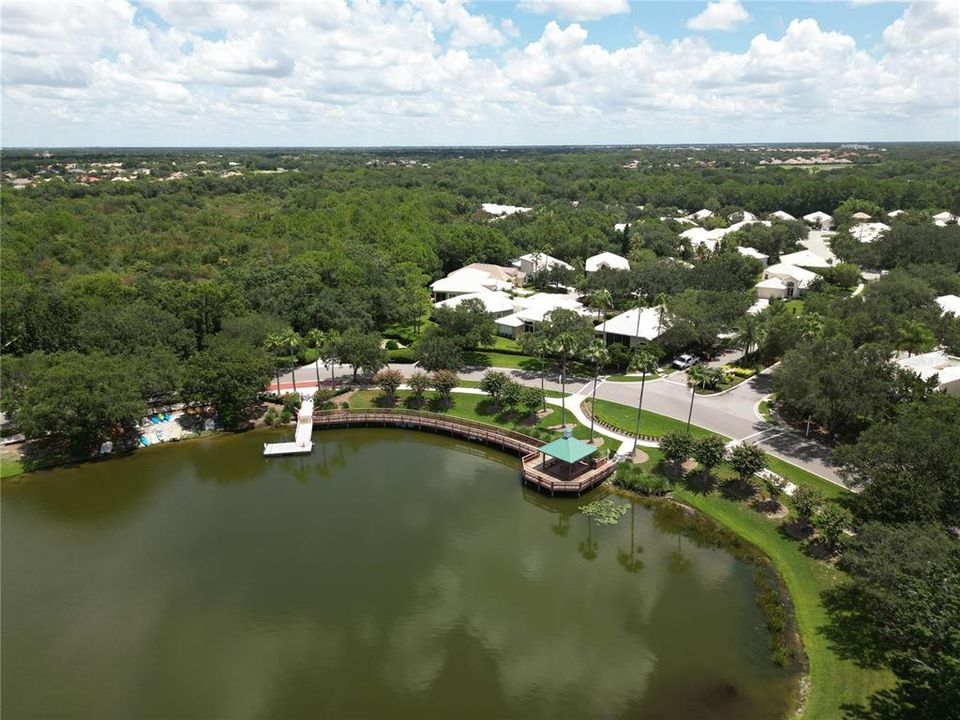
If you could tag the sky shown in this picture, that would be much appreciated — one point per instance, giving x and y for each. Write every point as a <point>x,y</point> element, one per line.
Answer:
<point>453,72</point>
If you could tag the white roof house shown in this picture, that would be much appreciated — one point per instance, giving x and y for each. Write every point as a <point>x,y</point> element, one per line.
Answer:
<point>781,215</point>
<point>868,232</point>
<point>496,303</point>
<point>784,281</point>
<point>944,217</point>
<point>534,262</point>
<point>949,304</point>
<point>860,216</point>
<point>532,309</point>
<point>754,253</point>
<point>700,215</point>
<point>501,210</point>
<point>606,260</point>
<point>819,218</point>
<point>926,365</point>
<point>633,327</point>
<point>465,281</point>
<point>741,215</point>
<point>805,258</point>
<point>619,227</point>
<point>681,220</point>
<point>896,213</point>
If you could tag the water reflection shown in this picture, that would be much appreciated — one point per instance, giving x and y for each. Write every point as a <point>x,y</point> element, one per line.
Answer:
<point>412,582</point>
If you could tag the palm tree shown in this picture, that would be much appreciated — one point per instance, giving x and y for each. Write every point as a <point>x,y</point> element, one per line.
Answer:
<point>315,338</point>
<point>563,344</point>
<point>697,376</point>
<point>598,353</point>
<point>660,302</point>
<point>601,300</point>
<point>274,344</point>
<point>331,343</point>
<point>291,343</point>
<point>646,362</point>
<point>750,334</point>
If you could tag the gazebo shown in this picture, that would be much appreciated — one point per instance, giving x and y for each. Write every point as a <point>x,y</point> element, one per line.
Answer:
<point>566,451</point>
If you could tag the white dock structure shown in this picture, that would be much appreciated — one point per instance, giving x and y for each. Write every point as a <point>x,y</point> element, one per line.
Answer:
<point>303,442</point>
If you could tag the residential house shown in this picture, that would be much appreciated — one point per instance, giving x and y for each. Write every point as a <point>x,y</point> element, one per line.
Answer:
<point>783,282</point>
<point>503,210</point>
<point>820,219</point>
<point>945,367</point>
<point>781,215</point>
<point>949,304</point>
<point>754,253</point>
<point>532,263</point>
<point>896,213</point>
<point>530,310</point>
<point>476,278</point>
<point>497,303</point>
<point>859,215</point>
<point>944,218</point>
<point>606,260</point>
<point>806,259</point>
<point>634,327</point>
<point>869,232</point>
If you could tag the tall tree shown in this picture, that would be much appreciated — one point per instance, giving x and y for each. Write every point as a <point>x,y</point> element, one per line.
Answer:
<point>646,362</point>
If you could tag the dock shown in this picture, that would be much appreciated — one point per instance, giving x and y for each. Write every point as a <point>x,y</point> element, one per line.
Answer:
<point>303,436</point>
<point>536,470</point>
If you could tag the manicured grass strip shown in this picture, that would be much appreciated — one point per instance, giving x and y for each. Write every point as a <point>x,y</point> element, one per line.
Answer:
<point>479,408</point>
<point>491,358</point>
<point>504,343</point>
<point>833,681</point>
<point>10,467</point>
<point>764,409</point>
<point>624,418</point>
<point>799,476</point>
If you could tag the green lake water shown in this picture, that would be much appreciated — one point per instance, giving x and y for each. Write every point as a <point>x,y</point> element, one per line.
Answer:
<point>390,574</point>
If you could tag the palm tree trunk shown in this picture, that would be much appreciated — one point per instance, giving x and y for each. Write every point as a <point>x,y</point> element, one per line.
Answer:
<point>294,374</point>
<point>693,394</point>
<point>543,372</point>
<point>563,389</point>
<point>317,367</point>
<point>277,371</point>
<point>636,433</point>
<point>593,402</point>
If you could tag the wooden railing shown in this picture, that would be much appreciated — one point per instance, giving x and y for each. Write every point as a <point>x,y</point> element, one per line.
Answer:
<point>519,443</point>
<point>523,445</point>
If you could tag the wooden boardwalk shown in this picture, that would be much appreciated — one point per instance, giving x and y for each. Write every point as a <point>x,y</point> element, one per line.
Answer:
<point>552,478</point>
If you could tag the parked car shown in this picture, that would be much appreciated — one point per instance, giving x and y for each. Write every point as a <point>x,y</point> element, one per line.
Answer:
<point>685,361</point>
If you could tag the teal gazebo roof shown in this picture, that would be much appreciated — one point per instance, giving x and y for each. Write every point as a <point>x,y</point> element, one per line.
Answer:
<point>568,448</point>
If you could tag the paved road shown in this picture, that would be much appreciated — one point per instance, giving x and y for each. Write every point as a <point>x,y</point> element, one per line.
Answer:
<point>732,413</point>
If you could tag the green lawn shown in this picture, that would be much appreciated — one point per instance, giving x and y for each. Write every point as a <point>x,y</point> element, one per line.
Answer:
<point>624,418</point>
<point>799,476</point>
<point>765,411</point>
<point>663,372</point>
<point>833,681</point>
<point>10,467</point>
<point>477,407</point>
<point>504,343</point>
<point>492,358</point>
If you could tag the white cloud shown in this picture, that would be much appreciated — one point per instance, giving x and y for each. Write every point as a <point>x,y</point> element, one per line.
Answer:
<point>373,72</point>
<point>719,15</point>
<point>578,10</point>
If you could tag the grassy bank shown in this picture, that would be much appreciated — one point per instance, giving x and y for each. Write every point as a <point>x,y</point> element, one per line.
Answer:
<point>624,418</point>
<point>832,681</point>
<point>10,467</point>
<point>479,408</point>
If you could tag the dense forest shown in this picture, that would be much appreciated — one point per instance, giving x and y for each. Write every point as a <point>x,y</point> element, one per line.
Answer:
<point>121,296</point>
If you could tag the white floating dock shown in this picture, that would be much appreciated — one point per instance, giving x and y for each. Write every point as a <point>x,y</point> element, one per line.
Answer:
<point>302,444</point>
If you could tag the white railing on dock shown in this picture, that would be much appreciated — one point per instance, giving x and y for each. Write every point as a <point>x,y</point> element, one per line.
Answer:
<point>302,441</point>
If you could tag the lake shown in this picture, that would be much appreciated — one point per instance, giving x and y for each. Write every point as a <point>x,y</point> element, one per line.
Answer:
<point>389,574</point>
